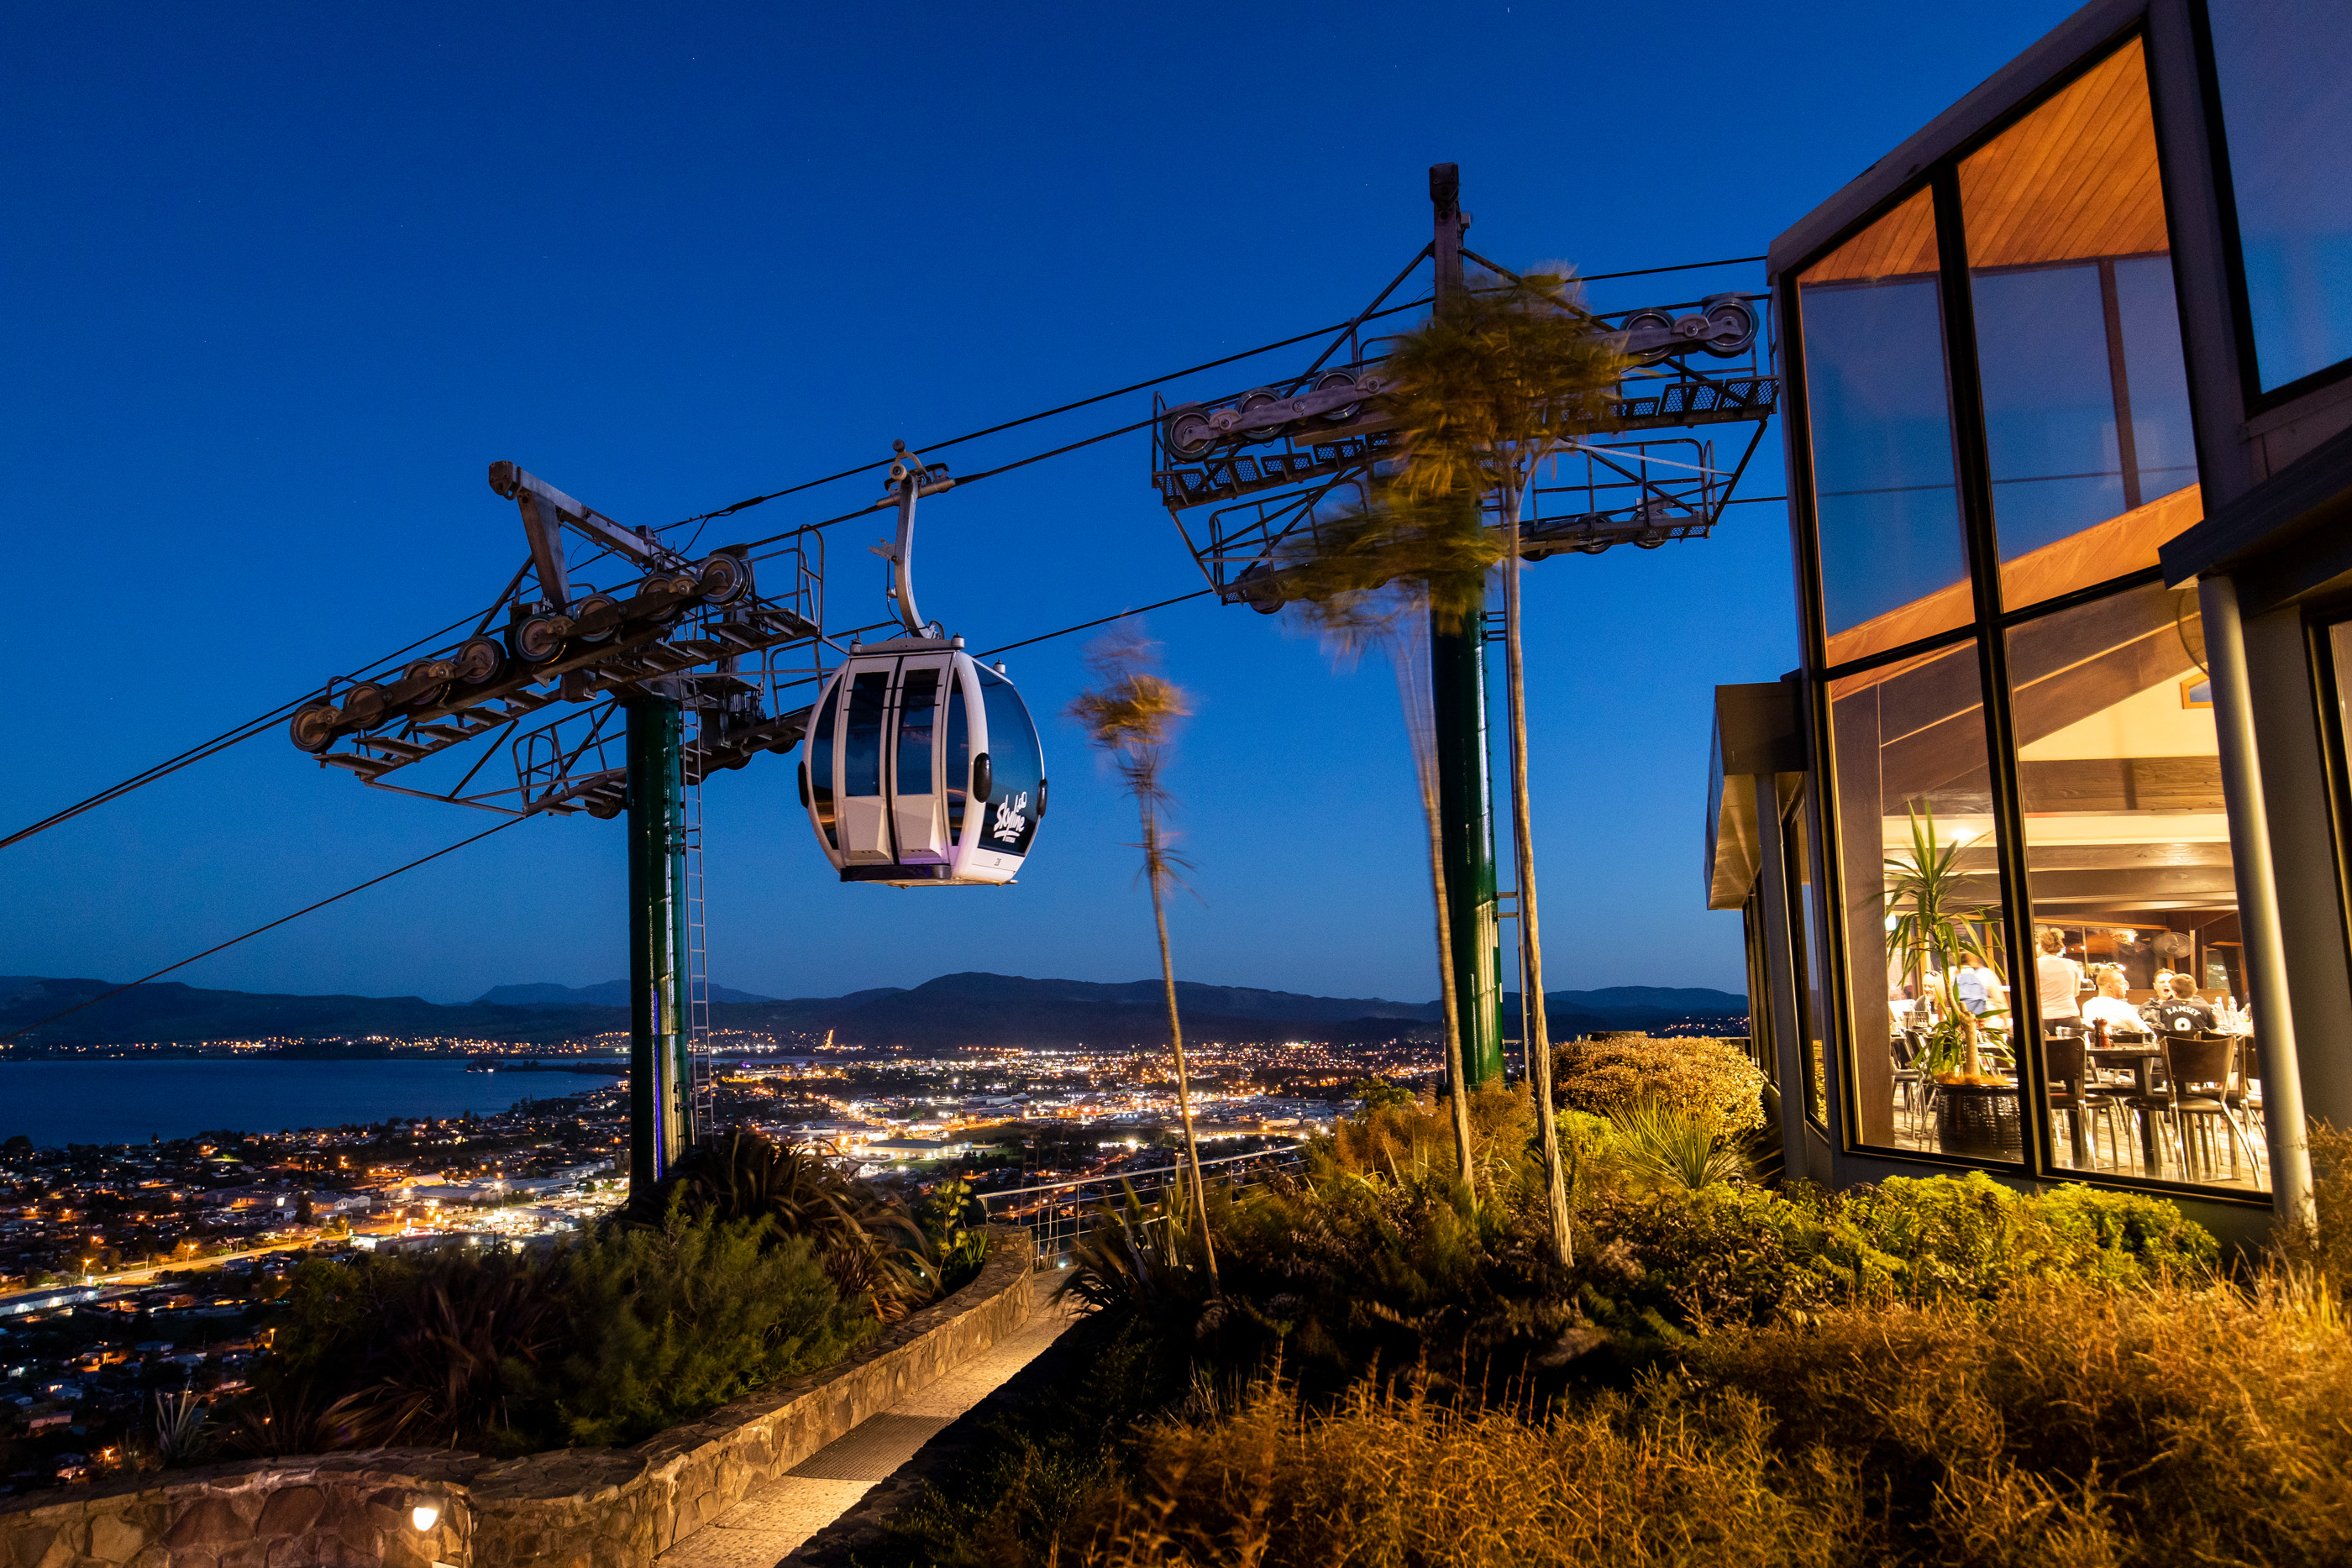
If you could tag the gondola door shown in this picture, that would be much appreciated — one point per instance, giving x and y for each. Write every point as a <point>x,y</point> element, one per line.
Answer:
<point>926,684</point>
<point>864,809</point>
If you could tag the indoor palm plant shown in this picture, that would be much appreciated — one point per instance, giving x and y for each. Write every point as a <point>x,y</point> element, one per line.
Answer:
<point>1934,938</point>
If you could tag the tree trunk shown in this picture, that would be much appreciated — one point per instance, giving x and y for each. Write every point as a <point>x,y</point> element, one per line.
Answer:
<point>1176,1044</point>
<point>1456,1075</point>
<point>1537,1044</point>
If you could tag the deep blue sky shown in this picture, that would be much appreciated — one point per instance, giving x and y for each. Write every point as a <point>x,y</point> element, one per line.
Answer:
<point>281,280</point>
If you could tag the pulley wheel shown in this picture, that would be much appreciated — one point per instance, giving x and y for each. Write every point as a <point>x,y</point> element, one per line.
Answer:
<point>721,579</point>
<point>605,808</point>
<point>1330,379</point>
<point>1648,321</point>
<point>435,673</point>
<point>363,705</point>
<point>1731,328</point>
<point>477,664</point>
<point>1186,431</point>
<point>313,727</point>
<point>1257,405</point>
<point>536,639</point>
<point>1258,590</point>
<point>1593,547</point>
<point>594,617</point>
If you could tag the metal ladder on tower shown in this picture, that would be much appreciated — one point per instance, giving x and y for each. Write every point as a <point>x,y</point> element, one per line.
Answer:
<point>701,1087</point>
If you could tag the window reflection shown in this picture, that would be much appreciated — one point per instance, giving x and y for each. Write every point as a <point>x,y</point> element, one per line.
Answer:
<point>1812,1004</point>
<point>2134,898</point>
<point>2078,338</point>
<point>2284,68</point>
<point>1881,424</point>
<point>1933,1011</point>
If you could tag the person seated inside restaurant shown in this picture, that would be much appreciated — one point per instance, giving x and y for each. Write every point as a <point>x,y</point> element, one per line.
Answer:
<point>2110,1005</point>
<point>2182,1012</point>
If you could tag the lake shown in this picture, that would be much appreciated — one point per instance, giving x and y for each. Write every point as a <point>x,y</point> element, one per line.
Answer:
<point>58,1103</point>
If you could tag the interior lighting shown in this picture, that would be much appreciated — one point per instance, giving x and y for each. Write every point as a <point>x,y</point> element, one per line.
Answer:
<point>424,1516</point>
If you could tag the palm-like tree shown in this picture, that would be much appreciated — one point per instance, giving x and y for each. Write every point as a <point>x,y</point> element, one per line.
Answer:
<point>1935,927</point>
<point>1130,715</point>
<point>1378,578</point>
<point>1496,381</point>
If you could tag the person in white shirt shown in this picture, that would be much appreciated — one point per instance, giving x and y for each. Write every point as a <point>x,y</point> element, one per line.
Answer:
<point>2110,1007</point>
<point>2060,979</point>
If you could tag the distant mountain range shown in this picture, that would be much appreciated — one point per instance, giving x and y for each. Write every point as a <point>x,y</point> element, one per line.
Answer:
<point>611,994</point>
<point>952,1012</point>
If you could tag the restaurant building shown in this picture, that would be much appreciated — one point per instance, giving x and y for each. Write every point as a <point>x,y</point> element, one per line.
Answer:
<point>2069,436</point>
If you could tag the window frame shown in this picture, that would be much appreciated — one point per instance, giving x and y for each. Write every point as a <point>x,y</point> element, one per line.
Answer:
<point>2233,255</point>
<point>1989,630</point>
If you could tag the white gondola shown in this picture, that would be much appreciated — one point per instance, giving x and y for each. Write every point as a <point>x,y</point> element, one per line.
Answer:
<point>922,768</point>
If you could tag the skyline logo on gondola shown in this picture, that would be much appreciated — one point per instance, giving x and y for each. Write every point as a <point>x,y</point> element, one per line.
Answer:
<point>1011,817</point>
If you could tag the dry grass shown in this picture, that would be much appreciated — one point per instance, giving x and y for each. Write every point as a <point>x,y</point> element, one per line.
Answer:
<point>2067,1424</point>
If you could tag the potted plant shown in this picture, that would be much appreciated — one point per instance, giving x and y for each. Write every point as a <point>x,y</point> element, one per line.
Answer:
<point>1934,937</point>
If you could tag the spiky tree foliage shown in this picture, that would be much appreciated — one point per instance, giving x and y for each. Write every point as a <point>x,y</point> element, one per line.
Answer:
<point>1496,381</point>
<point>870,1246</point>
<point>1130,714</point>
<point>1935,927</point>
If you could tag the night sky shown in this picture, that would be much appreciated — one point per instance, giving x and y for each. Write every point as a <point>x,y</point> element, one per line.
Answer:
<point>281,280</point>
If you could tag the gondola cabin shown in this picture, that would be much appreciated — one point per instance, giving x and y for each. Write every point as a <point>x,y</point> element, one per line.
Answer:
<point>923,768</point>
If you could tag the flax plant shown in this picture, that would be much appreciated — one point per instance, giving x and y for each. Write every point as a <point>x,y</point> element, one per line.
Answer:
<point>1130,715</point>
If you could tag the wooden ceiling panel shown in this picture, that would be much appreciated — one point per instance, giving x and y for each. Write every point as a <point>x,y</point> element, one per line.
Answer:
<point>2073,180</point>
<point>1900,245</point>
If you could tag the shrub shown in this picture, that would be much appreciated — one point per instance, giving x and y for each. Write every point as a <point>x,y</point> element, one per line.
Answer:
<point>868,1243</point>
<point>1970,1236</point>
<point>664,1325</point>
<point>606,1342</point>
<point>1658,1146</point>
<point>2068,1424</point>
<point>1709,1079</point>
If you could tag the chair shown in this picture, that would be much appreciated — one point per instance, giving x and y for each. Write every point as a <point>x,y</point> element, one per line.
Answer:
<point>2201,1077</point>
<point>2063,1064</point>
<point>1909,1046</point>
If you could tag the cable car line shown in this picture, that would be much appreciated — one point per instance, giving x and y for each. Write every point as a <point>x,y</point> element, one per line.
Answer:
<point>219,743</point>
<point>273,925</point>
<point>251,727</point>
<point>1048,413</point>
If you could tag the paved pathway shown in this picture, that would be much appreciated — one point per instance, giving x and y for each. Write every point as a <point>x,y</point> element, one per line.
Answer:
<point>775,1519</point>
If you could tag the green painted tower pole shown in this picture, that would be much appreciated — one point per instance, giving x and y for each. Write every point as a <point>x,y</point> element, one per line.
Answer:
<point>661,1106</point>
<point>1466,797</point>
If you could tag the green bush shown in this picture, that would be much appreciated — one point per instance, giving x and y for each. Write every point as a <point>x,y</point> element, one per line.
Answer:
<point>1709,1079</point>
<point>605,1342</point>
<point>664,1325</point>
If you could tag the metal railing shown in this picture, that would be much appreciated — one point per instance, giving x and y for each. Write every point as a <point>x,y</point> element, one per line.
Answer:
<point>1057,1214</point>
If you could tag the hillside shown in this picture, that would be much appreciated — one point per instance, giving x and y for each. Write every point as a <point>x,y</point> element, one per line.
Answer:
<point>952,1012</point>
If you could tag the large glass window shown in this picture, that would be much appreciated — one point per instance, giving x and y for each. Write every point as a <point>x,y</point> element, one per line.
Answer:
<point>1934,1066</point>
<point>1812,1000</point>
<point>861,747</point>
<point>2078,338</point>
<point>1892,565</point>
<point>1016,769</point>
<point>2134,900</point>
<point>918,699</point>
<point>2284,68</point>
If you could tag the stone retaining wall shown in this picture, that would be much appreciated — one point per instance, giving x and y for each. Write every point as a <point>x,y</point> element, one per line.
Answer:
<point>573,1508</point>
